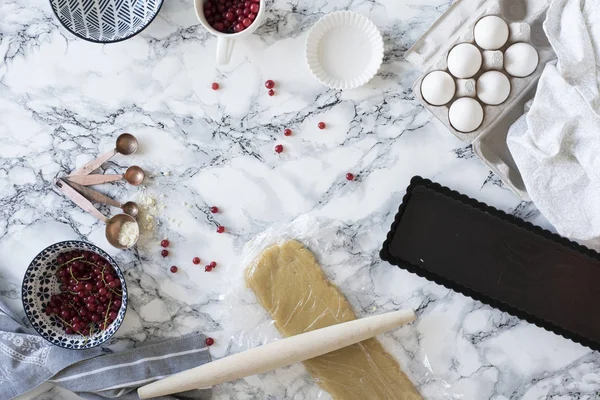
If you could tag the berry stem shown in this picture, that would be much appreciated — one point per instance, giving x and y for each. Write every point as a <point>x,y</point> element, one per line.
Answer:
<point>106,285</point>
<point>107,312</point>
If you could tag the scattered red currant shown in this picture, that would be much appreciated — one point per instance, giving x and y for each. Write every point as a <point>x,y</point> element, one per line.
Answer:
<point>278,149</point>
<point>287,132</point>
<point>209,341</point>
<point>164,243</point>
<point>350,176</point>
<point>173,269</point>
<point>164,253</point>
<point>196,260</point>
<point>214,209</point>
<point>269,84</point>
<point>322,125</point>
<point>214,86</point>
<point>208,268</point>
<point>212,264</point>
<point>271,92</point>
<point>220,229</point>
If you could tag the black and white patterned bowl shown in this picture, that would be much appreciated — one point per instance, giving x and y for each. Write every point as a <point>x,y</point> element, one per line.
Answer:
<point>40,282</point>
<point>105,21</point>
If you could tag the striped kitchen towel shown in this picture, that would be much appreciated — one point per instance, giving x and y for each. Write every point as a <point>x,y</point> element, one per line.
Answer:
<point>120,374</point>
<point>27,361</point>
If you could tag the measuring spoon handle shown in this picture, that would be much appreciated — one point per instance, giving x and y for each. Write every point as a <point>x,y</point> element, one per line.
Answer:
<point>94,179</point>
<point>79,199</point>
<point>94,164</point>
<point>94,196</point>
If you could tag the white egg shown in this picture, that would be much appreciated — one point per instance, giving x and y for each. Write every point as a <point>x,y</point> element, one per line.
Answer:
<point>493,87</point>
<point>520,59</point>
<point>438,88</point>
<point>491,32</point>
<point>465,114</point>
<point>464,60</point>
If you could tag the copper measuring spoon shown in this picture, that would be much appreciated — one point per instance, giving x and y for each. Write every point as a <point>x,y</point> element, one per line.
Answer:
<point>130,208</point>
<point>113,224</point>
<point>134,176</point>
<point>126,144</point>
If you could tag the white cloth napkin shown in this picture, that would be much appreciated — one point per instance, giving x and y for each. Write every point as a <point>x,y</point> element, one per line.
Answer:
<point>556,145</point>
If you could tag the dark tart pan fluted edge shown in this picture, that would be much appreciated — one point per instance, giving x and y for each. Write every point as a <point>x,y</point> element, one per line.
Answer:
<point>520,248</point>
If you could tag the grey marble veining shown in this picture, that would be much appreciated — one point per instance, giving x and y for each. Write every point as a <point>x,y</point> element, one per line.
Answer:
<point>63,101</point>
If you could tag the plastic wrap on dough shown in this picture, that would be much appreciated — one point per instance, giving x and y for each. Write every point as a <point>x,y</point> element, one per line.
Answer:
<point>292,287</point>
<point>251,325</point>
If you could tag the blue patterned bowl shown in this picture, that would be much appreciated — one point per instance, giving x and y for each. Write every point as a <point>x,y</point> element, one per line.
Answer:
<point>105,21</point>
<point>40,282</point>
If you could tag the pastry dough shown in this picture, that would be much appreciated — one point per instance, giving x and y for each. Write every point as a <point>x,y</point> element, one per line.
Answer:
<point>291,286</point>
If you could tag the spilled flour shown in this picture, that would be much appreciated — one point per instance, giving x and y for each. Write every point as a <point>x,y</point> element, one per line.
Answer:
<point>150,210</point>
<point>154,219</point>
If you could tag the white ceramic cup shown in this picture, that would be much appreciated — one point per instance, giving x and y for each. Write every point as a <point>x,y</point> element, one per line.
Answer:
<point>227,40</point>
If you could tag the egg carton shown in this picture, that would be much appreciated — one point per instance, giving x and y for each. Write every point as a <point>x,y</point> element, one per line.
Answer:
<point>455,26</point>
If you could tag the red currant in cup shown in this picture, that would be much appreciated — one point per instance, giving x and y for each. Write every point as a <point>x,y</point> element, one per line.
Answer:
<point>231,16</point>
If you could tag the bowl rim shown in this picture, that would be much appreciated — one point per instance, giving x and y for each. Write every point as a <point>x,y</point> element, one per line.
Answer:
<point>160,4</point>
<point>112,262</point>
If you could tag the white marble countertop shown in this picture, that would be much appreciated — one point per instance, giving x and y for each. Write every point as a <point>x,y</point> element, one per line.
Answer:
<point>63,100</point>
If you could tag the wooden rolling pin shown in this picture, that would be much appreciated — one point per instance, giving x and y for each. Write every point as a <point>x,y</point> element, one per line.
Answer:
<point>277,354</point>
